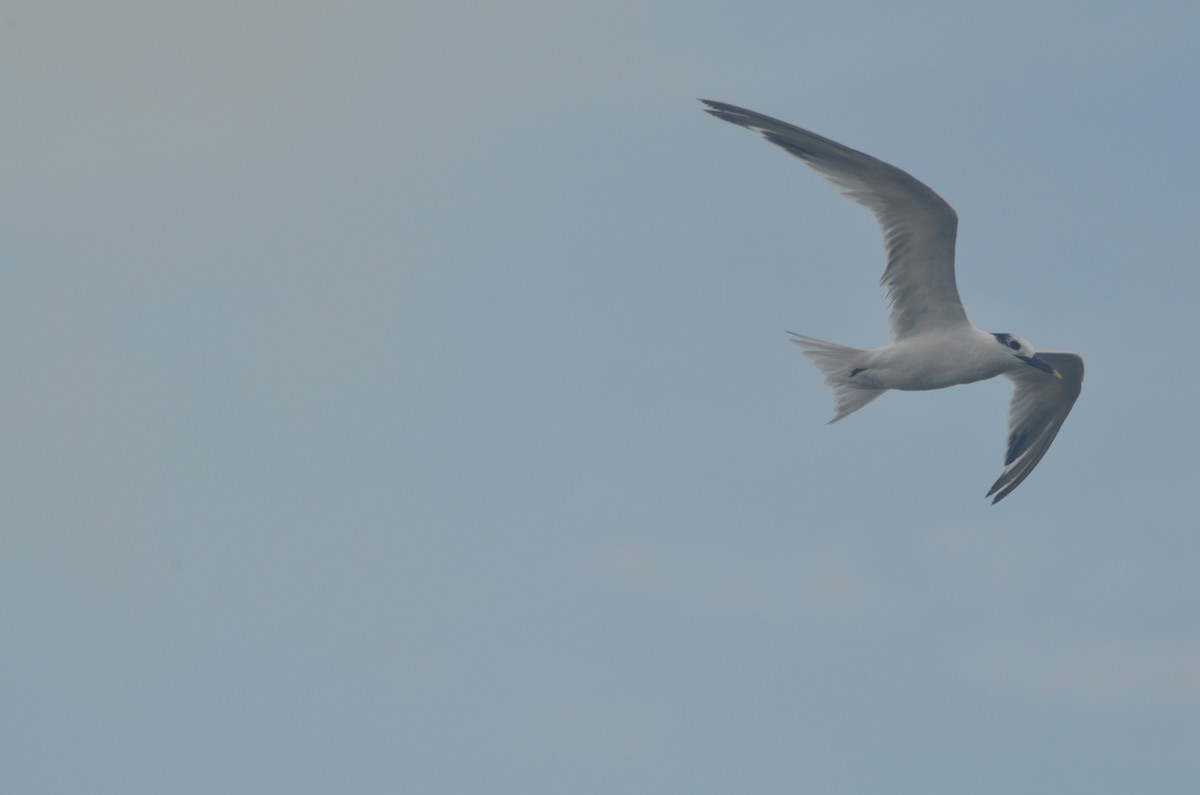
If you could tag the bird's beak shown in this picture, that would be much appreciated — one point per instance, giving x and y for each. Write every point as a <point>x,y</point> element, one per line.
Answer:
<point>1034,361</point>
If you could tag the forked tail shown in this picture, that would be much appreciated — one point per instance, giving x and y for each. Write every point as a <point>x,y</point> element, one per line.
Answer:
<point>840,365</point>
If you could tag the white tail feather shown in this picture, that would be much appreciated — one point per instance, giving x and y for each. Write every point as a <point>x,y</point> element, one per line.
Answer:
<point>838,363</point>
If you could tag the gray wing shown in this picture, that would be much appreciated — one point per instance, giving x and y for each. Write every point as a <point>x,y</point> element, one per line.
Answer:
<point>1040,404</point>
<point>919,227</point>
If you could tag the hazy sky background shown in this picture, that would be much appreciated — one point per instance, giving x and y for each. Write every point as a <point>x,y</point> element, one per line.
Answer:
<point>397,400</point>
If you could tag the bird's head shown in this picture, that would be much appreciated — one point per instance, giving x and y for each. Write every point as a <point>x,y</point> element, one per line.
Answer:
<point>1023,352</point>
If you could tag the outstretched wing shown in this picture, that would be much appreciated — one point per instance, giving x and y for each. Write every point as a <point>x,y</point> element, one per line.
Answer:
<point>919,227</point>
<point>1040,404</point>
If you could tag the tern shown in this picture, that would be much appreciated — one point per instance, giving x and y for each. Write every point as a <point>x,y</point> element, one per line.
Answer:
<point>933,344</point>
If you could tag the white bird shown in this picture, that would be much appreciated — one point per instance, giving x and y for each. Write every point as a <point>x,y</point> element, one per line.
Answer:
<point>934,345</point>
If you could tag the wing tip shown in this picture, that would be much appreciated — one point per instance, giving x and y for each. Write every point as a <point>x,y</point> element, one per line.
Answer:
<point>731,113</point>
<point>995,488</point>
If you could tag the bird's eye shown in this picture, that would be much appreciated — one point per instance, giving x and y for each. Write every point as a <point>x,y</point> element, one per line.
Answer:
<point>1016,346</point>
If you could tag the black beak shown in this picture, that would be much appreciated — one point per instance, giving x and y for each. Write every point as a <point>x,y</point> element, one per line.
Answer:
<point>1034,361</point>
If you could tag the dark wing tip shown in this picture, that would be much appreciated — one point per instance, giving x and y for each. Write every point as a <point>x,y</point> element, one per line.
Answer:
<point>729,113</point>
<point>1009,481</point>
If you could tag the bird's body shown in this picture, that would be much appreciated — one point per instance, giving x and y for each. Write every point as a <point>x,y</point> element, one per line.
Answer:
<point>932,361</point>
<point>934,345</point>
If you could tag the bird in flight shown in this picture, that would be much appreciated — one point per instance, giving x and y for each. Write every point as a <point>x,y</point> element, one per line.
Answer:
<point>933,344</point>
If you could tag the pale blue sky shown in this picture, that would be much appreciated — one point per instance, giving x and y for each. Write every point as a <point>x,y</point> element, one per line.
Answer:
<point>398,401</point>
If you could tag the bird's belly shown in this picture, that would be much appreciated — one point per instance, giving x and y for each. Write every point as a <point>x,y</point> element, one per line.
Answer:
<point>927,369</point>
<point>924,381</point>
